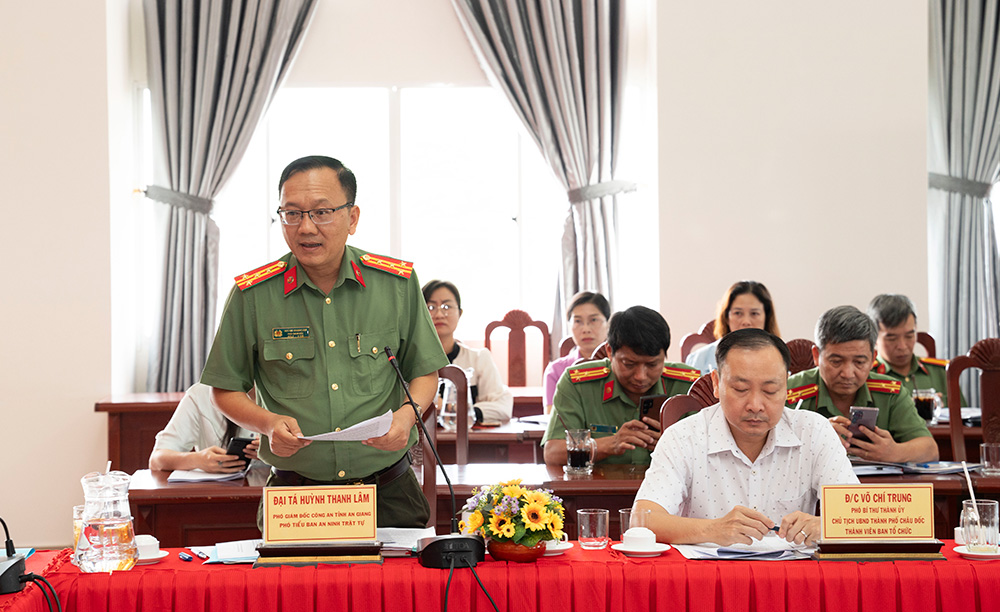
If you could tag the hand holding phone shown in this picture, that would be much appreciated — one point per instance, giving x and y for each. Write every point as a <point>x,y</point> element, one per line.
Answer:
<point>862,415</point>
<point>237,446</point>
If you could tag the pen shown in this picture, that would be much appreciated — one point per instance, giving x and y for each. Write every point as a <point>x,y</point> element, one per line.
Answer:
<point>774,529</point>
<point>201,555</point>
<point>185,557</point>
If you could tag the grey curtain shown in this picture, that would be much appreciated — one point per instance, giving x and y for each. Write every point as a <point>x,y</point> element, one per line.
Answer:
<point>561,64</point>
<point>213,66</point>
<point>963,161</point>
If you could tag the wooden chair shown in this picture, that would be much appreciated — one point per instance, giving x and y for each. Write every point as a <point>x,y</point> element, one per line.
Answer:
<point>428,469</point>
<point>516,321</point>
<point>675,407</point>
<point>566,346</point>
<point>703,391</point>
<point>801,353</point>
<point>600,352</point>
<point>705,335</point>
<point>984,355</point>
<point>457,376</point>
<point>927,341</point>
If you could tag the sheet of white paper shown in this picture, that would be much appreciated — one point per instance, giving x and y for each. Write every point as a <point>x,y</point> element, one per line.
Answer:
<point>372,428</point>
<point>768,548</point>
<point>202,476</point>
<point>239,550</point>
<point>401,538</point>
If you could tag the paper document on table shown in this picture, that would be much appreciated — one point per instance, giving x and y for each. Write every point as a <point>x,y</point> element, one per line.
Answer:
<point>240,551</point>
<point>372,428</point>
<point>768,548</point>
<point>203,476</point>
<point>399,541</point>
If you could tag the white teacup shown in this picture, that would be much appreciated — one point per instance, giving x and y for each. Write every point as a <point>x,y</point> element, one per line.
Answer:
<point>639,538</point>
<point>552,544</point>
<point>148,546</point>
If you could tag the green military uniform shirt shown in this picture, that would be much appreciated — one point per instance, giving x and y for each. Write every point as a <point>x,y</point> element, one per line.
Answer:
<point>589,396</point>
<point>925,373</point>
<point>320,358</point>
<point>896,412</point>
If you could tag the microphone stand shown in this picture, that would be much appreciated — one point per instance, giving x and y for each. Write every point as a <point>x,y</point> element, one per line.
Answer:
<point>448,550</point>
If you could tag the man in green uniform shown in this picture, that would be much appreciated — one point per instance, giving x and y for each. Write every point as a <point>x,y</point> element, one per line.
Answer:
<point>896,320</point>
<point>845,342</point>
<point>310,332</point>
<point>603,395</point>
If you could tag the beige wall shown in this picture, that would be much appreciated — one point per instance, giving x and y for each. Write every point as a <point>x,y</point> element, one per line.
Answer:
<point>54,167</point>
<point>792,152</point>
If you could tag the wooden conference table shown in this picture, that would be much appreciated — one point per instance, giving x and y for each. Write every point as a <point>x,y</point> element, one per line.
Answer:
<point>134,419</point>
<point>206,513</point>
<point>582,581</point>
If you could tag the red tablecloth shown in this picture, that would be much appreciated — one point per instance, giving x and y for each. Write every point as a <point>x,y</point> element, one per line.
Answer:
<point>577,580</point>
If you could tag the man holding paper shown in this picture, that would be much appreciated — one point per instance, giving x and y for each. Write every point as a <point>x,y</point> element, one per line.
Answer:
<point>746,465</point>
<point>310,330</point>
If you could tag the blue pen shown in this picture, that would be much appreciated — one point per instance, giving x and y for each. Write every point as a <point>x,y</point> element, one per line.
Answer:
<point>185,557</point>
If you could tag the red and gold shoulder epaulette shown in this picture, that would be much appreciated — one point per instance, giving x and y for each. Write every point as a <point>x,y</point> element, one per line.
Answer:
<point>883,386</point>
<point>253,277</point>
<point>681,374</point>
<point>931,361</point>
<point>387,264</point>
<point>803,392</point>
<point>585,374</point>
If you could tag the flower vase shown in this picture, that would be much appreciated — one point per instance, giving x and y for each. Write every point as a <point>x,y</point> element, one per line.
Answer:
<point>512,551</point>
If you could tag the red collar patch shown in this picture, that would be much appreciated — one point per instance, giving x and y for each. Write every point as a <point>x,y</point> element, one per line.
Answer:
<point>291,279</point>
<point>357,273</point>
<point>609,390</point>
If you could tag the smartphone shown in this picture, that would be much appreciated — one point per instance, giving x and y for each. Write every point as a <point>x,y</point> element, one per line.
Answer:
<point>862,415</point>
<point>237,446</point>
<point>649,406</point>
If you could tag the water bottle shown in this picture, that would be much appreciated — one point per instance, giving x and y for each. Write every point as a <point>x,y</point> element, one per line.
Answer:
<point>107,539</point>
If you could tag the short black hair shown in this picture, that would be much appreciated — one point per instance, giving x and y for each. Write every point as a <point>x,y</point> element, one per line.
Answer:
<point>589,297</point>
<point>890,310</point>
<point>752,339</point>
<point>314,162</point>
<point>433,285</point>
<point>845,324</point>
<point>641,329</point>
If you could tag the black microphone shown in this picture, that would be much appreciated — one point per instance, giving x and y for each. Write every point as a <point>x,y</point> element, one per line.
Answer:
<point>454,549</point>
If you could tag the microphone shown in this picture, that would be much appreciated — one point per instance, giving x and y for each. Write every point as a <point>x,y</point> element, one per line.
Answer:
<point>453,549</point>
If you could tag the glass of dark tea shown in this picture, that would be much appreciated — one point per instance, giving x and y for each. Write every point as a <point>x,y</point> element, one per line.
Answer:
<point>927,402</point>
<point>580,448</point>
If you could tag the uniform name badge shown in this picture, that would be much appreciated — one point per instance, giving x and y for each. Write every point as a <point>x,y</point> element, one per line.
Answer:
<point>329,513</point>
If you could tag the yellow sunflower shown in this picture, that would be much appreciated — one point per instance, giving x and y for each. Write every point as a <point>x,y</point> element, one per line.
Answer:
<point>534,496</point>
<point>509,530</point>
<point>516,481</point>
<point>499,523</point>
<point>555,522</point>
<point>535,516</point>
<point>514,491</point>
<point>475,521</point>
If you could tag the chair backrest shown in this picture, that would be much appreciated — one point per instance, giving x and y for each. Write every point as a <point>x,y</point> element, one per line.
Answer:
<point>703,391</point>
<point>457,375</point>
<point>673,408</point>
<point>428,468</point>
<point>600,352</point>
<point>984,355</point>
<point>566,346</point>
<point>705,335</point>
<point>927,341</point>
<point>516,321</point>
<point>802,356</point>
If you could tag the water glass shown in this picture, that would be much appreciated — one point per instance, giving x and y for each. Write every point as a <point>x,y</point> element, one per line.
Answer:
<point>580,449</point>
<point>981,535</point>
<point>927,402</point>
<point>629,518</point>
<point>592,525</point>
<point>989,455</point>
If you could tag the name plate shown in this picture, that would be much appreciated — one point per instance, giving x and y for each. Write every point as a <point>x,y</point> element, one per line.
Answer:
<point>319,514</point>
<point>877,512</point>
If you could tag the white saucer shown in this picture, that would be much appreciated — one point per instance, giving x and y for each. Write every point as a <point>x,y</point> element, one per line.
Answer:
<point>152,559</point>
<point>969,554</point>
<point>557,549</point>
<point>658,549</point>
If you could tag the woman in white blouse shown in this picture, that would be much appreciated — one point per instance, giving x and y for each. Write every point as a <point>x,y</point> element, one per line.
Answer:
<point>492,400</point>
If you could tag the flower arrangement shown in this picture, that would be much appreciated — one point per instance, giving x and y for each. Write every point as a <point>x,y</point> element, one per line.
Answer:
<point>508,512</point>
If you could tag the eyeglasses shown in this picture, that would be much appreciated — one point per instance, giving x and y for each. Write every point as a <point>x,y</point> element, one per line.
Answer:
<point>444,308</point>
<point>319,216</point>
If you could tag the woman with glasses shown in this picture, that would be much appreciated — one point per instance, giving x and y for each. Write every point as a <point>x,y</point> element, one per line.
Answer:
<point>491,399</point>
<point>588,315</point>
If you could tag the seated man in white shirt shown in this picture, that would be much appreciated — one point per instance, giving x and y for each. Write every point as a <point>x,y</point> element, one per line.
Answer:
<point>735,470</point>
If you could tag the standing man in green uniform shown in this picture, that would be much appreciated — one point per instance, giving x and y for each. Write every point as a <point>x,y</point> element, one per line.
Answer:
<point>845,342</point>
<point>603,395</point>
<point>310,331</point>
<point>896,320</point>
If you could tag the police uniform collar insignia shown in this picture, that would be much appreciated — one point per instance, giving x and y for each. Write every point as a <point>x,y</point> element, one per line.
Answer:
<point>609,390</point>
<point>398,267</point>
<point>803,392</point>
<point>685,374</point>
<point>259,275</point>
<point>879,367</point>
<point>291,279</point>
<point>357,273</point>
<point>883,386</point>
<point>585,374</point>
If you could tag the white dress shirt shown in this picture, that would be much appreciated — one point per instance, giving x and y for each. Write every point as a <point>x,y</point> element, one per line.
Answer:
<point>196,423</point>
<point>697,471</point>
